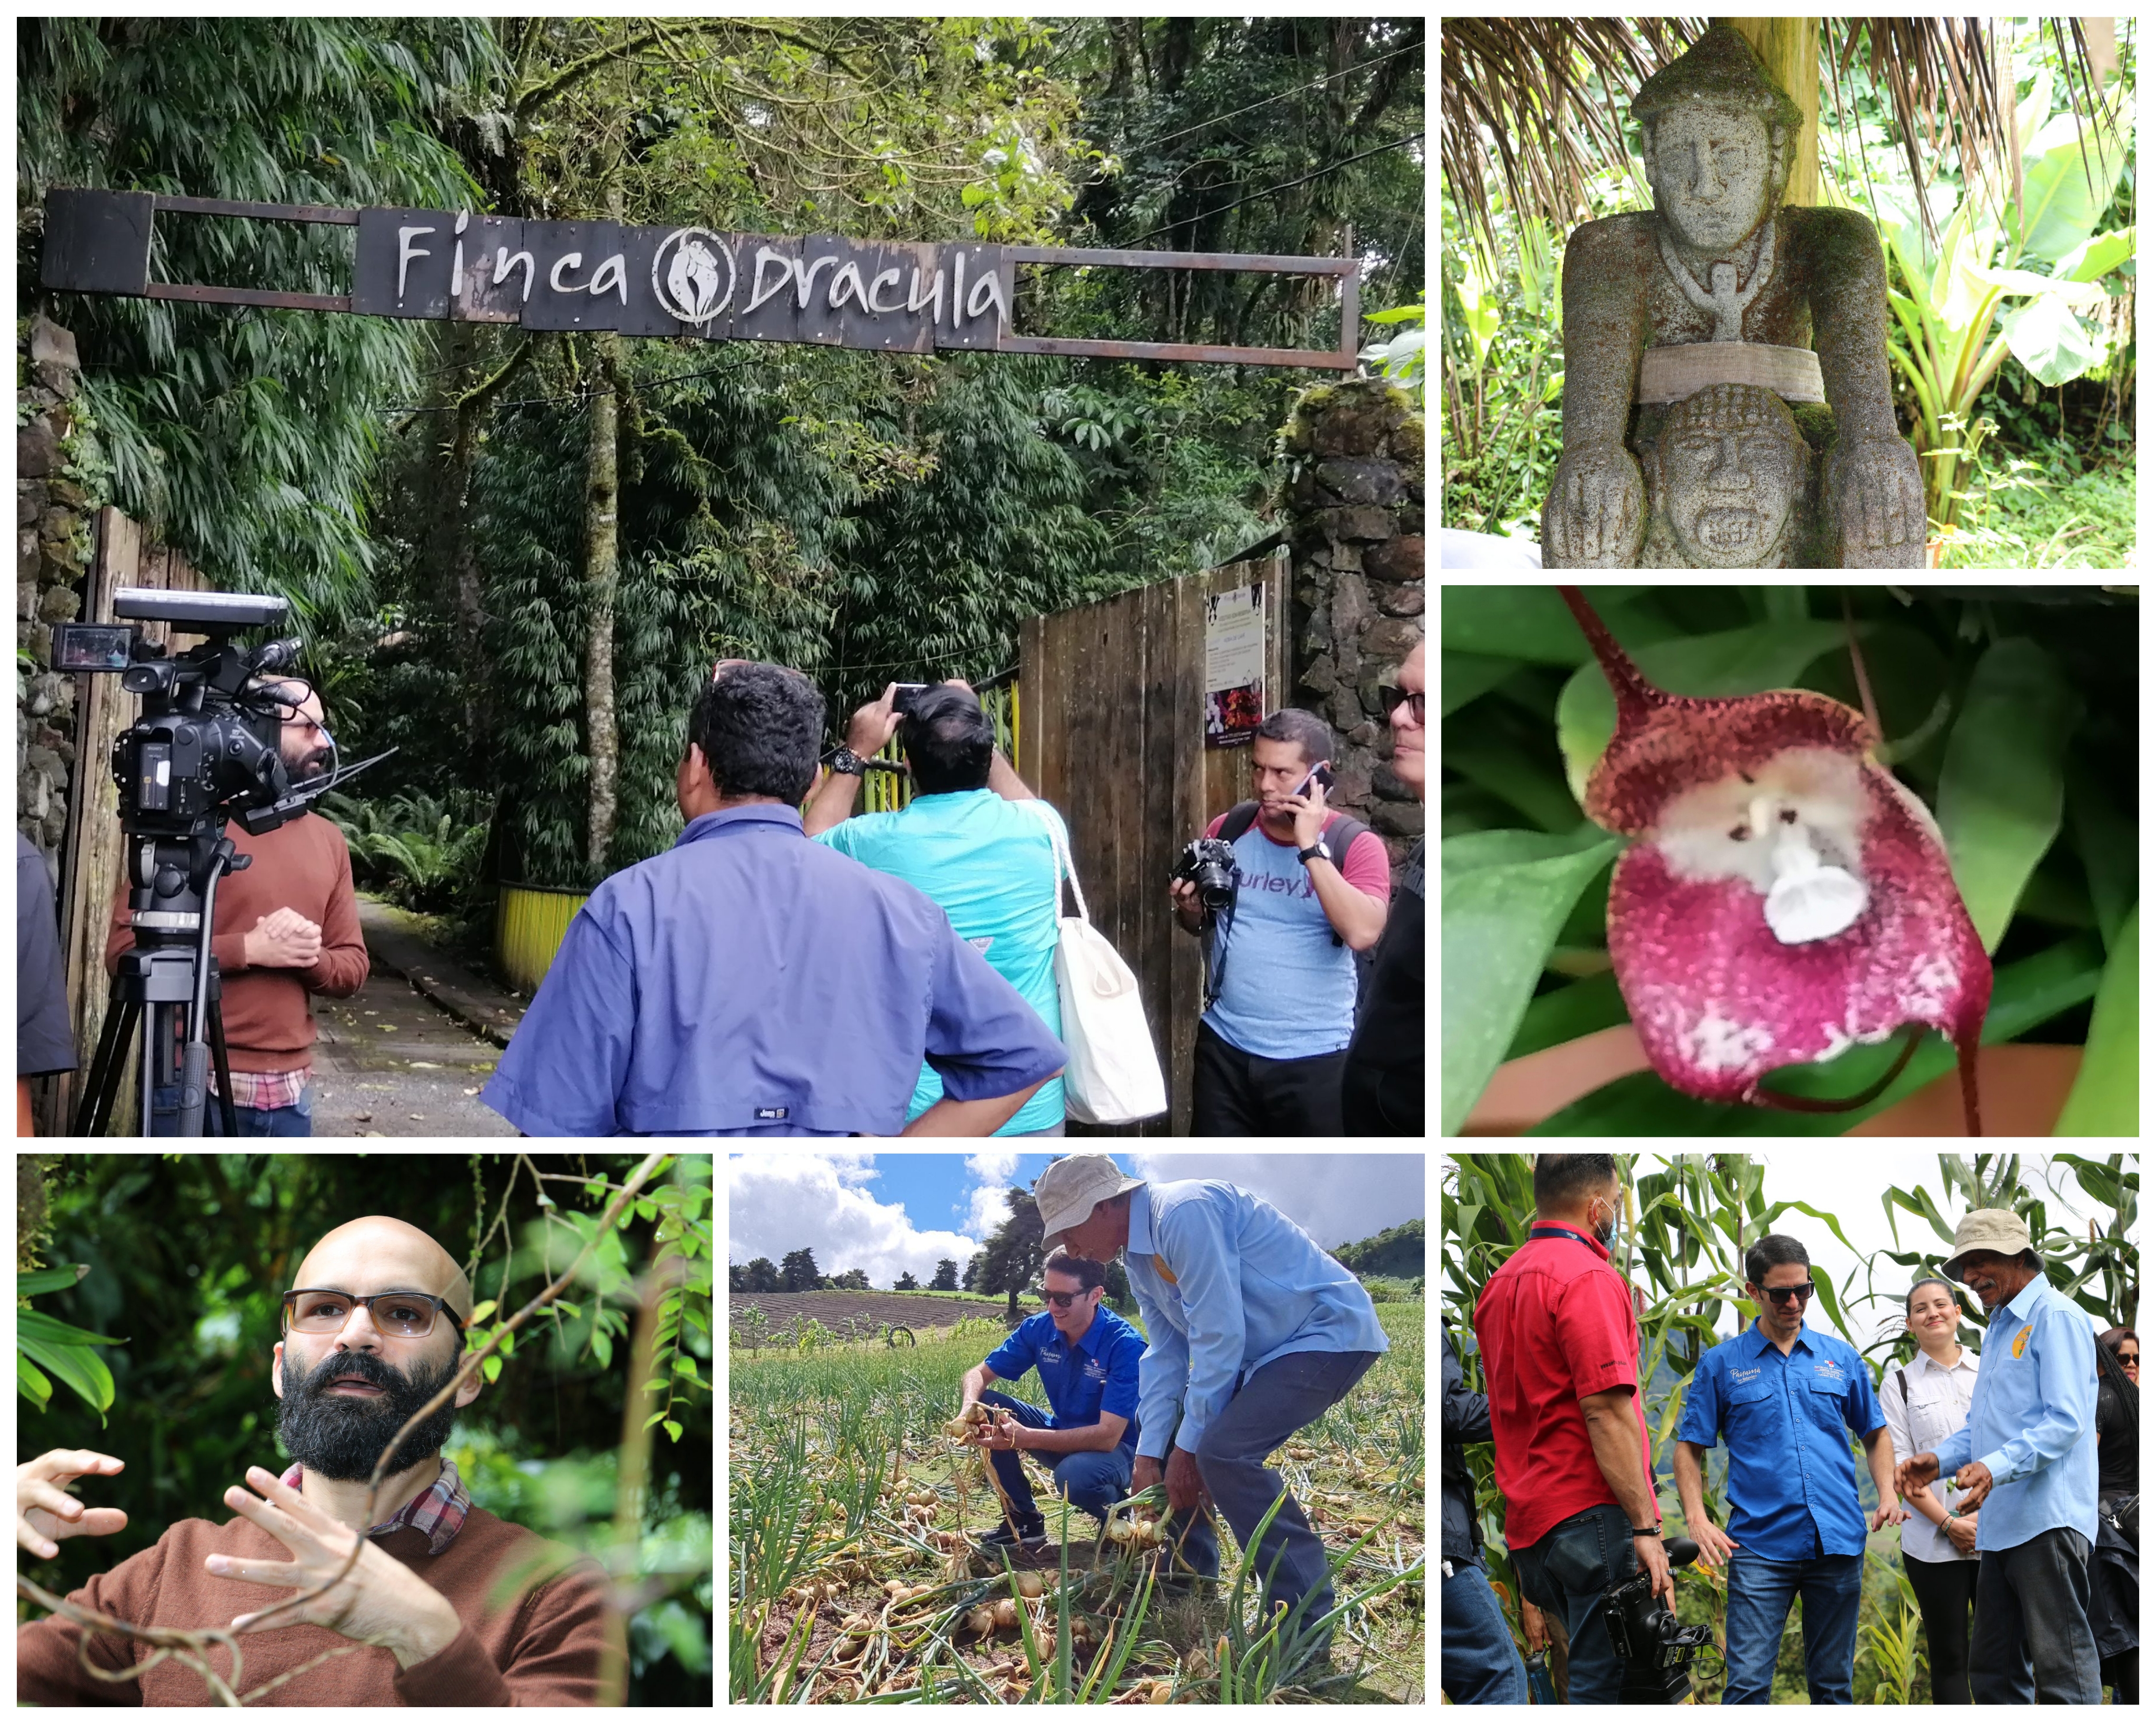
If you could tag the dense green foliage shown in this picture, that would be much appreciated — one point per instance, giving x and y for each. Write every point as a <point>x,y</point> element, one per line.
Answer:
<point>2011,711</point>
<point>2041,473</point>
<point>1396,1251</point>
<point>189,1255</point>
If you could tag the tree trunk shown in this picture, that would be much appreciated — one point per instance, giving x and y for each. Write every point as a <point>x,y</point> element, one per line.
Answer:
<point>1789,47</point>
<point>603,577</point>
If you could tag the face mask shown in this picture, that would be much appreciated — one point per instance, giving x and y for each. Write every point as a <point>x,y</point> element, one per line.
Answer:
<point>1606,1236</point>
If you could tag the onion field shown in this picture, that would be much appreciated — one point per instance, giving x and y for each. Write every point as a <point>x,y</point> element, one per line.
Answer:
<point>856,1574</point>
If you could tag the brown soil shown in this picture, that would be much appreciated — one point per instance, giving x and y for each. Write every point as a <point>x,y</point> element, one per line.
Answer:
<point>858,1316</point>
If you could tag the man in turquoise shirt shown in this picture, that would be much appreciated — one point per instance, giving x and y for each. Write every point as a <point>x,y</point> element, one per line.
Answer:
<point>974,839</point>
<point>2027,1453</point>
<point>1255,1330</point>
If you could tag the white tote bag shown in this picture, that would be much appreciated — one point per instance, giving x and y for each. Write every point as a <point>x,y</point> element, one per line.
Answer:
<point>1113,1077</point>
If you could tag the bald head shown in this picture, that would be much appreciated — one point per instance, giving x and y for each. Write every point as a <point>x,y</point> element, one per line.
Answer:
<point>379,1254</point>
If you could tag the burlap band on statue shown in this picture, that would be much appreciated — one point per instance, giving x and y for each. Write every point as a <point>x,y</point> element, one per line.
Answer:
<point>1668,374</point>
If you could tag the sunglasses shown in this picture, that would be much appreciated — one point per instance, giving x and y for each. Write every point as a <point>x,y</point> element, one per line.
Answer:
<point>1061,1302</point>
<point>1389,698</point>
<point>2129,1358</point>
<point>1782,1296</point>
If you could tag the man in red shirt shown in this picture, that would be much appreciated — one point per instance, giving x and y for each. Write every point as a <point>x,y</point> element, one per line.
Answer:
<point>1560,1347</point>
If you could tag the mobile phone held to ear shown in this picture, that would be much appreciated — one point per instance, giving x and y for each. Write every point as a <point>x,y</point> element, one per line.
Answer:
<point>1320,775</point>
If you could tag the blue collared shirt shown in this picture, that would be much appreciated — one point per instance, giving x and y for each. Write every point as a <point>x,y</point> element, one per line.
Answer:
<point>1098,1374</point>
<point>748,982</point>
<point>1249,1287</point>
<point>1787,1422</point>
<point>2032,1421</point>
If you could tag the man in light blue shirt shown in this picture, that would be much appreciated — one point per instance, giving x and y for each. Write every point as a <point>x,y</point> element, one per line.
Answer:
<point>973,839</point>
<point>2027,1453</point>
<point>1255,1330</point>
<point>748,982</point>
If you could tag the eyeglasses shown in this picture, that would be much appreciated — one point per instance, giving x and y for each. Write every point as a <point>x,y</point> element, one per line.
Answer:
<point>2129,1358</point>
<point>1782,1296</point>
<point>324,1310</point>
<point>1389,698</point>
<point>1061,1302</point>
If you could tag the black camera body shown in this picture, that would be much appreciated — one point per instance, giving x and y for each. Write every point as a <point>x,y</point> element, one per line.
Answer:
<point>1656,1648</point>
<point>1208,864</point>
<point>206,746</point>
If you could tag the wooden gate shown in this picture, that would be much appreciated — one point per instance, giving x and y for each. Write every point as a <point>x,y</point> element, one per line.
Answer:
<point>1114,738</point>
<point>90,861</point>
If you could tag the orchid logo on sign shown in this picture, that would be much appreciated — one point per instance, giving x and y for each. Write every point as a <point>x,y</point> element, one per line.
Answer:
<point>685,274</point>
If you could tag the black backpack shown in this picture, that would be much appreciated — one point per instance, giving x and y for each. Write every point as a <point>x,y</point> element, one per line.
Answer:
<point>1341,830</point>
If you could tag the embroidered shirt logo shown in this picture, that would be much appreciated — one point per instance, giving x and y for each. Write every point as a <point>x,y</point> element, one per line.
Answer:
<point>2021,1340</point>
<point>1095,1371</point>
<point>1051,1356</point>
<point>1744,1376</point>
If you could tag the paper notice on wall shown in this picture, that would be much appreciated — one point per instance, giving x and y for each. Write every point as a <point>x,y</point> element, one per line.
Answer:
<point>1235,665</point>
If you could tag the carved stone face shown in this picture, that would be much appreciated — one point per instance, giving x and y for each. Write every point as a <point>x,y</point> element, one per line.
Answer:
<point>1712,171</point>
<point>1728,493</point>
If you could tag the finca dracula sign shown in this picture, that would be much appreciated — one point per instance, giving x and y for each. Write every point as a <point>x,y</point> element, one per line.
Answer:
<point>690,282</point>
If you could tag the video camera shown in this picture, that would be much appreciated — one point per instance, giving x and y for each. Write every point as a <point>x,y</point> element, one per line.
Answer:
<point>1656,1648</point>
<point>206,746</point>
<point>204,750</point>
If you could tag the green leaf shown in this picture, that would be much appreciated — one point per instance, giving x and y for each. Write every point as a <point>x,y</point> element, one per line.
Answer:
<point>480,1312</point>
<point>673,1429</point>
<point>77,1367</point>
<point>2049,342</point>
<point>2002,787</point>
<point>33,1383</point>
<point>49,1280</point>
<point>1499,919</point>
<point>603,1345</point>
<point>646,1208</point>
<point>2096,256</point>
<point>2066,189</point>
<point>1737,661</point>
<point>1567,1014</point>
<point>1463,677</point>
<point>684,1365</point>
<point>490,1366</point>
<point>2106,1099</point>
<point>654,1385</point>
<point>594,1189</point>
<point>1529,623</point>
<point>50,1329</point>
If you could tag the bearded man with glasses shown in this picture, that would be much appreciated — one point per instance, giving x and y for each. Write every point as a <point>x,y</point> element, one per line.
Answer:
<point>1785,1397</point>
<point>1088,1361</point>
<point>374,1329</point>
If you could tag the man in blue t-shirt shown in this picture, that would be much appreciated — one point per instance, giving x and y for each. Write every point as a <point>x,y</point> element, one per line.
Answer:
<point>1280,1010</point>
<point>974,839</point>
<point>1088,1361</point>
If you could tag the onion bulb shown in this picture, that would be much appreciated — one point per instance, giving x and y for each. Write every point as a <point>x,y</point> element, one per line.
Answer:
<point>1006,1614</point>
<point>1030,1585</point>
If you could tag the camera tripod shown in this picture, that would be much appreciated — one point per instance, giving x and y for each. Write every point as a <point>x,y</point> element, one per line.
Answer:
<point>168,987</point>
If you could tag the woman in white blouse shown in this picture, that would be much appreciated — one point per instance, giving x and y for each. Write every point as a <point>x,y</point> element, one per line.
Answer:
<point>1926,1402</point>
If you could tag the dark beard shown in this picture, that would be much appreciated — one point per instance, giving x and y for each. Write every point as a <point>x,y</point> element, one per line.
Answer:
<point>342,1436</point>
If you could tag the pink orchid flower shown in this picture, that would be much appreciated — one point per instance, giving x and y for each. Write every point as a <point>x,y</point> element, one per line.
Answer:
<point>1789,897</point>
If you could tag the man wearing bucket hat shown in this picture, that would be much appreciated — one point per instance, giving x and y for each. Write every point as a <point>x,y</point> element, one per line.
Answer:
<point>1253,1328</point>
<point>2027,1455</point>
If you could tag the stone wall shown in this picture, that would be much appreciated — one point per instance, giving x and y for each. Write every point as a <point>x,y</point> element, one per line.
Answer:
<point>1355,511</point>
<point>53,523</point>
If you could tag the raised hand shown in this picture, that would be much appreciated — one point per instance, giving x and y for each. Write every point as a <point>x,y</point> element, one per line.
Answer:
<point>43,1509</point>
<point>1915,1473</point>
<point>1975,1482</point>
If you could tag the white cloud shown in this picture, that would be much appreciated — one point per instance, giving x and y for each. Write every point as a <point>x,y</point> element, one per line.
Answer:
<point>776,1204</point>
<point>1336,1198</point>
<point>993,1171</point>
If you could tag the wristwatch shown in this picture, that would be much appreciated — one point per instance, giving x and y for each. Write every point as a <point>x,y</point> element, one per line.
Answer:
<point>845,759</point>
<point>1320,848</point>
<point>1646,1532</point>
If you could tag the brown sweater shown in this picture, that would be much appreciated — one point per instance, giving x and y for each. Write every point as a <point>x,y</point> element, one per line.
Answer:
<point>543,1650</point>
<point>268,1014</point>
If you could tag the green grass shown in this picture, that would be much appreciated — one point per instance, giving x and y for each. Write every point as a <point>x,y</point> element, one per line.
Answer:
<point>818,1441</point>
<point>2030,517</point>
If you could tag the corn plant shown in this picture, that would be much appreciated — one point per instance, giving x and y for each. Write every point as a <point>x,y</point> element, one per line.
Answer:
<point>1894,1648</point>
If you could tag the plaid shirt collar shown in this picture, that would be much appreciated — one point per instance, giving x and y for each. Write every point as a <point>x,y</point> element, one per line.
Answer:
<point>439,1512</point>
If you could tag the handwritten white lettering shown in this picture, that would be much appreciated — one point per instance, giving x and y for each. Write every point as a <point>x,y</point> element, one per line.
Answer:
<point>957,286</point>
<point>612,273</point>
<point>804,276</point>
<point>758,293</point>
<point>987,292</point>
<point>875,287</point>
<point>848,281</point>
<point>568,260</point>
<point>504,263</point>
<point>916,301</point>
<point>405,251</point>
<point>457,268</point>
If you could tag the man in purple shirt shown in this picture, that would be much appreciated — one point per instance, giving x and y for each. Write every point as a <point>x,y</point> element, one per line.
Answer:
<point>750,982</point>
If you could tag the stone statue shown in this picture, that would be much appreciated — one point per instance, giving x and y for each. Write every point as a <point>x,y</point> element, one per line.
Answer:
<point>1722,287</point>
<point>1728,484</point>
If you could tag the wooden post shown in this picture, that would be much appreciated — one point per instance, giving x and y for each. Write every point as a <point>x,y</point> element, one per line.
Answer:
<point>1789,47</point>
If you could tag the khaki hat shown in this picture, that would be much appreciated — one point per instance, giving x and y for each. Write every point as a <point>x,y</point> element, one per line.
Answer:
<point>1999,1230</point>
<point>1066,1194</point>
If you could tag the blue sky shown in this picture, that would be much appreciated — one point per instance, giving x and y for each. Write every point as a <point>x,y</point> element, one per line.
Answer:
<point>892,1211</point>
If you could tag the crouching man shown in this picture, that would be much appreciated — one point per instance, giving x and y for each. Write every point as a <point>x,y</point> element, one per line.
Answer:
<point>1088,1361</point>
<point>1253,1328</point>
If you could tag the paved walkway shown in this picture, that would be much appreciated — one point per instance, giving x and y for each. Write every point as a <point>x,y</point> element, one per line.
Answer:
<point>406,1056</point>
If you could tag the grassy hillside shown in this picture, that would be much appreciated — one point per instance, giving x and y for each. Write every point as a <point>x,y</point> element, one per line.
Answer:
<point>1396,1251</point>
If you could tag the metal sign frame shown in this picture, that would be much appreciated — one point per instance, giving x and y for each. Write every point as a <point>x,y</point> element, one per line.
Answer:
<point>464,266</point>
